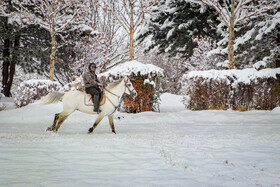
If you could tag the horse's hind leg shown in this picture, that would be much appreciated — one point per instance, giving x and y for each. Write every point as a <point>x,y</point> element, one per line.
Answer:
<point>97,121</point>
<point>60,121</point>
<point>56,117</point>
<point>111,121</point>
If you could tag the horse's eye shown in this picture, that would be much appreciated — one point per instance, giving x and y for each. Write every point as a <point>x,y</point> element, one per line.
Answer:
<point>129,85</point>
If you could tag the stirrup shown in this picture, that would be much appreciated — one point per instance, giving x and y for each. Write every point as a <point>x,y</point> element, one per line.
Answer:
<point>97,111</point>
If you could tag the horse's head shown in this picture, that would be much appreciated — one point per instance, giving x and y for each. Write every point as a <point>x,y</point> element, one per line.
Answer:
<point>129,89</point>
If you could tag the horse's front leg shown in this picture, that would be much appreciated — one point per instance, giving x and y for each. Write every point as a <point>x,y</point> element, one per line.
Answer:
<point>52,128</point>
<point>111,121</point>
<point>97,121</point>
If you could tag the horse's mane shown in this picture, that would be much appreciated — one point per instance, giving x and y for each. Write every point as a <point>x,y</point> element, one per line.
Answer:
<point>113,84</point>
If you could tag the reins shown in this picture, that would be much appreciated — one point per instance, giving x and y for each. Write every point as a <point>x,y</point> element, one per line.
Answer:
<point>119,99</point>
<point>116,107</point>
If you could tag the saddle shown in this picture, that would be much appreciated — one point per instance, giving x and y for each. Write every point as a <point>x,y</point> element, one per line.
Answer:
<point>88,100</point>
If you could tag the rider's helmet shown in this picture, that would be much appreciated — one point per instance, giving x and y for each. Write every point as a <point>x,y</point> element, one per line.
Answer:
<point>92,64</point>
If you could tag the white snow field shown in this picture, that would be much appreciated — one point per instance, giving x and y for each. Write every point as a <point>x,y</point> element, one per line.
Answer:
<point>175,147</point>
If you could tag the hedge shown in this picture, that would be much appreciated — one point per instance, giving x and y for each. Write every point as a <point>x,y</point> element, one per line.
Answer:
<point>241,90</point>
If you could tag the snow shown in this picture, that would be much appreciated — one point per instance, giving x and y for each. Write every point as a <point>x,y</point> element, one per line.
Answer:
<point>170,33</point>
<point>167,23</point>
<point>176,147</point>
<point>147,81</point>
<point>245,75</point>
<point>7,103</point>
<point>245,38</point>
<point>34,82</point>
<point>130,67</point>
<point>259,64</point>
<point>84,27</point>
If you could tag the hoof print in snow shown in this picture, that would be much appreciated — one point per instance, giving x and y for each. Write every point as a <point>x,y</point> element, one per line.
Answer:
<point>120,117</point>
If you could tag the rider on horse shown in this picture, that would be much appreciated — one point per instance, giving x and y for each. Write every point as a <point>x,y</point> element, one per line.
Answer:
<point>92,85</point>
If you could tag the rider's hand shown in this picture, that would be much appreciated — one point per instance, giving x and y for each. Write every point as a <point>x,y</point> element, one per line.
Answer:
<point>100,84</point>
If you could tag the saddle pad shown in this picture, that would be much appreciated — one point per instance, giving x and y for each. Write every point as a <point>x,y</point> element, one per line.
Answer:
<point>88,99</point>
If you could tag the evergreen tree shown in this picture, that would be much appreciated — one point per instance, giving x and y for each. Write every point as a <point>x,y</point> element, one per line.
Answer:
<point>235,15</point>
<point>9,45</point>
<point>54,16</point>
<point>20,44</point>
<point>35,49</point>
<point>257,43</point>
<point>176,24</point>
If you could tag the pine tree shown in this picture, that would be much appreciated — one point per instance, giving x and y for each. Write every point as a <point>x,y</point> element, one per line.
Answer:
<point>257,43</point>
<point>54,16</point>
<point>235,14</point>
<point>10,43</point>
<point>176,24</point>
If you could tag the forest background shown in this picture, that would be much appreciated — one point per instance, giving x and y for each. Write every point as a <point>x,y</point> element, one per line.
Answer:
<point>57,39</point>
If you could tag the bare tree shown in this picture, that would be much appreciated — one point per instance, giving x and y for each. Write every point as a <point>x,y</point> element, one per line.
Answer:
<point>52,15</point>
<point>130,14</point>
<point>104,44</point>
<point>234,12</point>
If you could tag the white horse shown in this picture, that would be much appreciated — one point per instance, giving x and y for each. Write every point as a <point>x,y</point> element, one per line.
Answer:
<point>74,100</point>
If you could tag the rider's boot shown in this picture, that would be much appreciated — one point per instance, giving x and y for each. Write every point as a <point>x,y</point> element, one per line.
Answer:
<point>96,104</point>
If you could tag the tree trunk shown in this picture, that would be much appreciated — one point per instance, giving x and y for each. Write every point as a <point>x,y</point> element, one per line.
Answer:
<point>131,32</point>
<point>278,42</point>
<point>131,47</point>
<point>6,64</point>
<point>231,37</point>
<point>52,56</point>
<point>15,58</point>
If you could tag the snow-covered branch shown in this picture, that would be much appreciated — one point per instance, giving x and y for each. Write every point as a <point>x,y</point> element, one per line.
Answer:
<point>52,15</point>
<point>235,12</point>
<point>130,14</point>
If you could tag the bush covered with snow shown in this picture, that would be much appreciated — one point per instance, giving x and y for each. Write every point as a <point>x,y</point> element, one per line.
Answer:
<point>31,90</point>
<point>77,84</point>
<point>232,89</point>
<point>147,99</point>
<point>145,80</point>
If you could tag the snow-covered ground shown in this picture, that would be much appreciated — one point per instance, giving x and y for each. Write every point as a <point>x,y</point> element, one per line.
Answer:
<point>176,147</point>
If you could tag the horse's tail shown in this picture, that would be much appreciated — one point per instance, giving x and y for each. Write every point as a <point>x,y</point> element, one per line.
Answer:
<point>52,98</point>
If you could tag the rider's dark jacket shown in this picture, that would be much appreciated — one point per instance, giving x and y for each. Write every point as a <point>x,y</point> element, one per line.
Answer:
<point>90,79</point>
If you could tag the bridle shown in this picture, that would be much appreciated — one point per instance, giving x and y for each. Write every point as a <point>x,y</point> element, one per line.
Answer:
<point>126,86</point>
<point>119,98</point>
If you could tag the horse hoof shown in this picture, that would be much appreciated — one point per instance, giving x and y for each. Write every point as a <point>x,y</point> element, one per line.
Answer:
<point>114,131</point>
<point>49,129</point>
<point>90,130</point>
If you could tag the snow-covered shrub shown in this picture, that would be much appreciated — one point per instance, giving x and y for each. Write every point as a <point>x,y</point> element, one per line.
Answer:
<point>31,90</point>
<point>147,98</point>
<point>145,80</point>
<point>77,84</point>
<point>232,89</point>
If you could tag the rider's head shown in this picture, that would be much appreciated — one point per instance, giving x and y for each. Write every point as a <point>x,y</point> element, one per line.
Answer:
<point>92,66</point>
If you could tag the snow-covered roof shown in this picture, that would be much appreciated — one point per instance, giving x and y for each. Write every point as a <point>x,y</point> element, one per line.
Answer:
<point>245,75</point>
<point>130,67</point>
